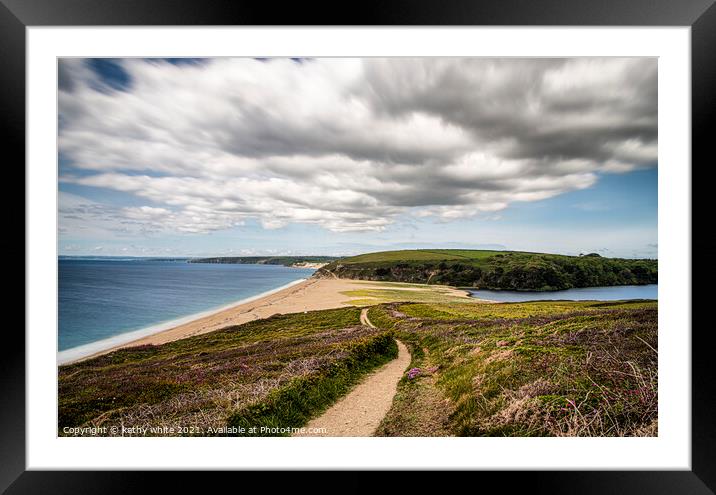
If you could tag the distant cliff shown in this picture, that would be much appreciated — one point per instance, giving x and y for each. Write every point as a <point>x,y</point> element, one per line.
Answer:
<point>294,261</point>
<point>507,270</point>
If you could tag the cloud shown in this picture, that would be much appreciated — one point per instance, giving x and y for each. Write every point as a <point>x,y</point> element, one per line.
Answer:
<point>348,144</point>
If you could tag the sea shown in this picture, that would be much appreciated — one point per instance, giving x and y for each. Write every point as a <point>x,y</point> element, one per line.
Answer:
<point>615,293</point>
<point>107,301</point>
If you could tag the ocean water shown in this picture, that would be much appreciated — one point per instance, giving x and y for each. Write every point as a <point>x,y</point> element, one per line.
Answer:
<point>585,294</point>
<point>103,300</point>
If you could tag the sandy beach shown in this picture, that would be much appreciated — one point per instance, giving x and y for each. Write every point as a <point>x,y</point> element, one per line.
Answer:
<point>309,295</point>
<point>312,294</point>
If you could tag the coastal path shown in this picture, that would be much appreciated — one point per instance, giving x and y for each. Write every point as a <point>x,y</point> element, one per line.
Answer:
<point>359,413</point>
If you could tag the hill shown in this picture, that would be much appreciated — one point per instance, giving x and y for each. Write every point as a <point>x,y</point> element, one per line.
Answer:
<point>525,369</point>
<point>278,371</point>
<point>507,270</point>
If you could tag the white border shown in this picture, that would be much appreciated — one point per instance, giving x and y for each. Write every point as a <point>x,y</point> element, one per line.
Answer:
<point>671,450</point>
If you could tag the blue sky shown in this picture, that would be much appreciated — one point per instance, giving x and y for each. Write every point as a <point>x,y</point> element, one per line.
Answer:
<point>337,157</point>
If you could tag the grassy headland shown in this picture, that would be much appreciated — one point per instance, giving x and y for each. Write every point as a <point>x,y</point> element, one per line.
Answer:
<point>508,270</point>
<point>527,369</point>
<point>280,370</point>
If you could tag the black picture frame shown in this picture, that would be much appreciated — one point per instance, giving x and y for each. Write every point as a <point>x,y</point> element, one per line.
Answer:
<point>700,15</point>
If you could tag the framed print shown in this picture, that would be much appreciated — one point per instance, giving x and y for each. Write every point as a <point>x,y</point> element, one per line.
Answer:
<point>429,238</point>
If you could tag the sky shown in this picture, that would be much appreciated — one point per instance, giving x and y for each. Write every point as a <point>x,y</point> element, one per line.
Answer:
<point>339,156</point>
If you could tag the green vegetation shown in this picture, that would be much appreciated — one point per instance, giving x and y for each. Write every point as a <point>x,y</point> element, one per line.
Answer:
<point>281,369</point>
<point>383,292</point>
<point>419,255</point>
<point>266,260</point>
<point>293,405</point>
<point>525,369</point>
<point>506,270</point>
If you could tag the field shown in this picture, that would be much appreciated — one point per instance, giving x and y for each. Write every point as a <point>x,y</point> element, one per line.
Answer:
<point>281,370</point>
<point>508,270</point>
<point>528,369</point>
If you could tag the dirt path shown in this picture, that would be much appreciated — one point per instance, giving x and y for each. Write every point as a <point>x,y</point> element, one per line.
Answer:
<point>364,318</point>
<point>359,413</point>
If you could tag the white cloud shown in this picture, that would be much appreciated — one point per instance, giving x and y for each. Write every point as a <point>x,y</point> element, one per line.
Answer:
<point>347,144</point>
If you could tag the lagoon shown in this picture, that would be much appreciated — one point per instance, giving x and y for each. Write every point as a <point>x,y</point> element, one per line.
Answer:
<point>614,293</point>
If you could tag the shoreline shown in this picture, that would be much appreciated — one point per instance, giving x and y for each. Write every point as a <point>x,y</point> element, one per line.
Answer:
<point>303,295</point>
<point>114,342</point>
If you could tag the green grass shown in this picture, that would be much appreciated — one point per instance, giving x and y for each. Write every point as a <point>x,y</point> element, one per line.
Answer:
<point>418,255</point>
<point>201,381</point>
<point>474,310</point>
<point>392,292</point>
<point>526,369</point>
<point>305,397</point>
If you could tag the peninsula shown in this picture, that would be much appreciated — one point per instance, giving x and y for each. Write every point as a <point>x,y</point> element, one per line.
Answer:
<point>501,270</point>
<point>293,261</point>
